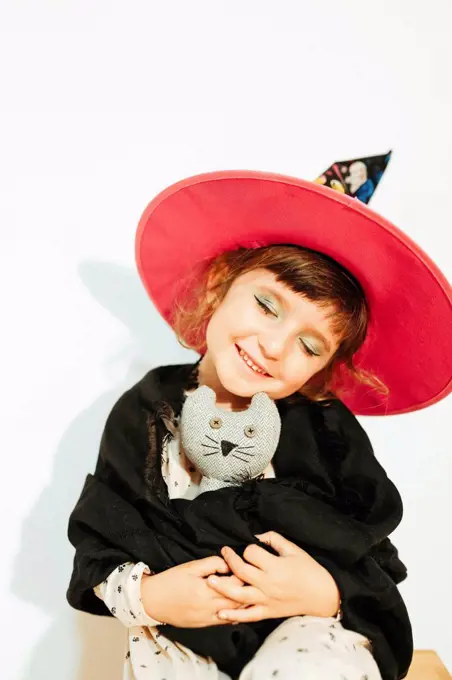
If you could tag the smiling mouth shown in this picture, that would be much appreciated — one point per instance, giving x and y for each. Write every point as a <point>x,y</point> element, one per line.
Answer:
<point>251,365</point>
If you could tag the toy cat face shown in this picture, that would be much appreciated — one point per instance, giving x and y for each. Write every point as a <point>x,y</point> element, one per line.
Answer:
<point>231,446</point>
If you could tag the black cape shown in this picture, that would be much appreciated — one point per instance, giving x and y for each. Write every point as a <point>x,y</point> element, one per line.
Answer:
<point>330,496</point>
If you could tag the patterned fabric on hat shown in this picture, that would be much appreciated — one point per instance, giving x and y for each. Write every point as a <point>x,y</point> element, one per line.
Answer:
<point>358,177</point>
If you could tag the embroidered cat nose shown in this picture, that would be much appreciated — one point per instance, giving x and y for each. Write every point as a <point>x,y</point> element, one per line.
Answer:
<point>226,447</point>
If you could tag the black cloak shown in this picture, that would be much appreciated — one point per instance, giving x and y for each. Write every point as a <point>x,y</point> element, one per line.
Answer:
<point>330,496</point>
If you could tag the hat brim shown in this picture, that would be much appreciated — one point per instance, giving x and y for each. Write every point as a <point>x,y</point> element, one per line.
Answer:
<point>409,339</point>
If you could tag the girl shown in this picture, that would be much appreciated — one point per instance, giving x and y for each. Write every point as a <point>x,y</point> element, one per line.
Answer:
<point>287,287</point>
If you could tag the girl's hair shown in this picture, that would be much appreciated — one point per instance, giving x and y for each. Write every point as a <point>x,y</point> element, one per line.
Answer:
<point>316,276</point>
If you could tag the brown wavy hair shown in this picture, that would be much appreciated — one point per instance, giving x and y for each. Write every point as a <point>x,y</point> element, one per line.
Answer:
<point>315,275</point>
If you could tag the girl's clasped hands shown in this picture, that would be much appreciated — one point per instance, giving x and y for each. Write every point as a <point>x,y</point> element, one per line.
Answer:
<point>213,590</point>
<point>291,583</point>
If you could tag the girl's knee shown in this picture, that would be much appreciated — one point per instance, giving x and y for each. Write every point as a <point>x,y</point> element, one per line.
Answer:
<point>310,648</point>
<point>292,669</point>
<point>303,663</point>
<point>312,669</point>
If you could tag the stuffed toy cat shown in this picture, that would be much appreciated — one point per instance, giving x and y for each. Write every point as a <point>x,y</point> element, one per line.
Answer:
<point>228,447</point>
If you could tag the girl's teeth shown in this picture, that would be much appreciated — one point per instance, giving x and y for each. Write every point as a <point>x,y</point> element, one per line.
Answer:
<point>250,363</point>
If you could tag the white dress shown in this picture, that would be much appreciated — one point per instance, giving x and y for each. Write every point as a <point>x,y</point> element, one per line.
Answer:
<point>296,648</point>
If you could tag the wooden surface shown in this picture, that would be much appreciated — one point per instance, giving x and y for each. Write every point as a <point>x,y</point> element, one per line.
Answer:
<point>427,666</point>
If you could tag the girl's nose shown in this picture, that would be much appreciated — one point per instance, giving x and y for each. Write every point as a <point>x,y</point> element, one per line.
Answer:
<point>272,347</point>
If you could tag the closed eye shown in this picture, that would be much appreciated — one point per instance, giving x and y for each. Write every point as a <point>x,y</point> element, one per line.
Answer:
<point>264,307</point>
<point>267,311</point>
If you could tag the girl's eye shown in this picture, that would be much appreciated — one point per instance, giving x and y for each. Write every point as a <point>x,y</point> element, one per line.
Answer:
<point>267,310</point>
<point>264,307</point>
<point>309,350</point>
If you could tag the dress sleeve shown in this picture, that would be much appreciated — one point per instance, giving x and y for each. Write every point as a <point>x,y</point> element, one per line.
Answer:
<point>107,527</point>
<point>121,593</point>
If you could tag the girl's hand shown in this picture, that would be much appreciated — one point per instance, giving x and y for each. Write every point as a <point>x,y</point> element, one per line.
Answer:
<point>182,597</point>
<point>291,583</point>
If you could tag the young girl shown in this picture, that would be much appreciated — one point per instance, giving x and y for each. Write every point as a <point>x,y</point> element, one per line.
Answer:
<point>291,288</point>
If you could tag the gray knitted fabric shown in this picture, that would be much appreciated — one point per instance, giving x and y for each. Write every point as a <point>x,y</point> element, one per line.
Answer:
<point>228,447</point>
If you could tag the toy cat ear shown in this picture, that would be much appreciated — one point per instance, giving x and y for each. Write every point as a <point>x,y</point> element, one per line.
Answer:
<point>205,395</point>
<point>261,399</point>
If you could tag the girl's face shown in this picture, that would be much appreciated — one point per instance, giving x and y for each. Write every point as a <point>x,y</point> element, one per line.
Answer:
<point>284,334</point>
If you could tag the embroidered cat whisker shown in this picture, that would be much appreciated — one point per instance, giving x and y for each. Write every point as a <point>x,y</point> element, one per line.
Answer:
<point>238,458</point>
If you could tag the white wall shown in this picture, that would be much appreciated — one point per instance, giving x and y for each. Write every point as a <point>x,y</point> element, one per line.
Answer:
<point>102,105</point>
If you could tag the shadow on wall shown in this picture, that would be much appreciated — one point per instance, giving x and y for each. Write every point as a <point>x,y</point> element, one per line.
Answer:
<point>79,646</point>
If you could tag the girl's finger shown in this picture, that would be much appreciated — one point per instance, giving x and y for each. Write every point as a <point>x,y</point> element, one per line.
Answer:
<point>231,578</point>
<point>253,613</point>
<point>225,603</point>
<point>243,594</point>
<point>208,565</point>
<point>216,621</point>
<point>259,557</point>
<point>282,545</point>
<point>245,572</point>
